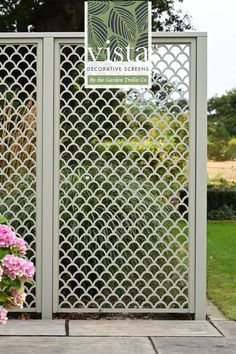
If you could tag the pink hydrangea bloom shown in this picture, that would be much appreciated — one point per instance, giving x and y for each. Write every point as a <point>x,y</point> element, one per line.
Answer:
<point>1,273</point>
<point>17,298</point>
<point>20,243</point>
<point>17,267</point>
<point>3,315</point>
<point>8,238</point>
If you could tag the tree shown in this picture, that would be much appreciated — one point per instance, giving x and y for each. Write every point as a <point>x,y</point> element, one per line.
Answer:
<point>223,110</point>
<point>45,15</point>
<point>222,127</point>
<point>165,17</point>
<point>231,151</point>
<point>68,15</point>
<point>218,138</point>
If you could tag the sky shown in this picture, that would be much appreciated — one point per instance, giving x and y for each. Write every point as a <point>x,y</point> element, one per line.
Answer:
<point>218,18</point>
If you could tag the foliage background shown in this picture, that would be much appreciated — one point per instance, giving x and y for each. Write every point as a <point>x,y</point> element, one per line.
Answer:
<point>222,127</point>
<point>68,15</point>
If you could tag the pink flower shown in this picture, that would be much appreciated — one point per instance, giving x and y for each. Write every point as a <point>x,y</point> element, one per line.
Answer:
<point>1,273</point>
<point>17,267</point>
<point>20,243</point>
<point>3,315</point>
<point>8,238</point>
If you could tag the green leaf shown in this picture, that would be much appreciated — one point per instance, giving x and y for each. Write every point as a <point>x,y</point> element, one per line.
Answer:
<point>3,252</point>
<point>15,283</point>
<point>97,32</point>
<point>98,7</point>
<point>141,12</point>
<point>117,41</point>
<point>122,22</point>
<point>3,296</point>
<point>124,3</point>
<point>142,41</point>
<point>3,220</point>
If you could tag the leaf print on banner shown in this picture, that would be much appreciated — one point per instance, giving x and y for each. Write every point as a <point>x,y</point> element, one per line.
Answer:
<point>117,41</point>
<point>125,3</point>
<point>142,16</point>
<point>97,32</point>
<point>98,7</point>
<point>142,42</point>
<point>122,23</point>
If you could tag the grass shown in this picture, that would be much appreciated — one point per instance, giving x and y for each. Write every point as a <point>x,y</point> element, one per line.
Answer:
<point>222,266</point>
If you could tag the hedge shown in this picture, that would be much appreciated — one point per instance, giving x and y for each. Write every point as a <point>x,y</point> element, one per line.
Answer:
<point>221,203</point>
<point>221,199</point>
<point>217,198</point>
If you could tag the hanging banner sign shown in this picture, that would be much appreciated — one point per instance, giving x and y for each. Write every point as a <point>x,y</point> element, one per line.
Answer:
<point>118,44</point>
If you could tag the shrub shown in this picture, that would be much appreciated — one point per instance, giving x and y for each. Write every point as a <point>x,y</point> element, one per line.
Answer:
<point>223,213</point>
<point>221,184</point>
<point>221,199</point>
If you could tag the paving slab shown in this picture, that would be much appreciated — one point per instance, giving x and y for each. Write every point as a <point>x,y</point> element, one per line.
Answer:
<point>228,328</point>
<point>195,345</point>
<point>138,328</point>
<point>213,312</point>
<point>33,328</point>
<point>70,345</point>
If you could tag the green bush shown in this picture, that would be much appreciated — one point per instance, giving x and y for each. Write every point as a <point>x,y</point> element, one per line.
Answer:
<point>221,184</point>
<point>221,200</point>
<point>223,213</point>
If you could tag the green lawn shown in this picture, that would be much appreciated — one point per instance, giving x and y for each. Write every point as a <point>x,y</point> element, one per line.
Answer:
<point>222,266</point>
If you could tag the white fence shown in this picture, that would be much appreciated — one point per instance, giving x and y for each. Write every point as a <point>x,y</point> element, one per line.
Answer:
<point>108,187</point>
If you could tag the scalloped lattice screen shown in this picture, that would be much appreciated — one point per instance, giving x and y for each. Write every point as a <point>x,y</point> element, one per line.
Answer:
<point>123,190</point>
<point>18,116</point>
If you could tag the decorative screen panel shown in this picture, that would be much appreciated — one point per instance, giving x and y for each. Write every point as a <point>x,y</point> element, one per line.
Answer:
<point>18,114</point>
<point>123,192</point>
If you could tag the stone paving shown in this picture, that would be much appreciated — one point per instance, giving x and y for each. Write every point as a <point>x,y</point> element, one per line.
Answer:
<point>118,337</point>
